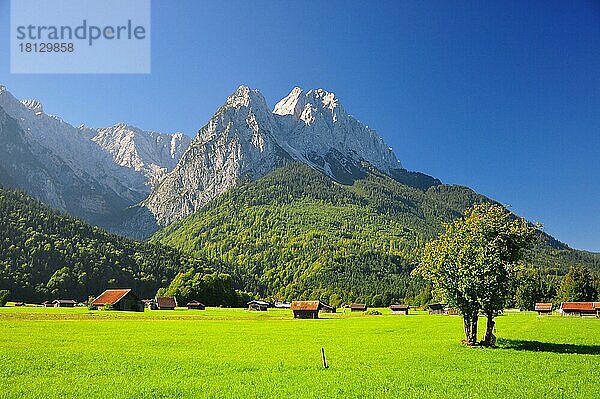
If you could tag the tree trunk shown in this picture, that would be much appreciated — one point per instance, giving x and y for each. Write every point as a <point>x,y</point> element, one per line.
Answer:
<point>489,339</point>
<point>473,336</point>
<point>470,325</point>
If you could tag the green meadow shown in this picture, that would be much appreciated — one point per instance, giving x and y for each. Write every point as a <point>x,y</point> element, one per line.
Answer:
<point>233,353</point>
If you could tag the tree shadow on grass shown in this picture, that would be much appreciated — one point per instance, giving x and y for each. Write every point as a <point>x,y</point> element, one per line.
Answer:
<point>537,346</point>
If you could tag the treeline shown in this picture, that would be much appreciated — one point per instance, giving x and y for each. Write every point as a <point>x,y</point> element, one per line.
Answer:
<point>580,284</point>
<point>46,255</point>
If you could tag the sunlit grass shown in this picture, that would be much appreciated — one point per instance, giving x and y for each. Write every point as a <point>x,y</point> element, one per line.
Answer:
<point>233,353</point>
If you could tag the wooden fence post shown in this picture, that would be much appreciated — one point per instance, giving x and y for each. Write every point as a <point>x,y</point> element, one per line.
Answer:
<point>323,358</point>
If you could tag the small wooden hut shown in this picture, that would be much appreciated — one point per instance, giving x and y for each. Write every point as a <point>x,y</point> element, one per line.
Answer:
<point>165,303</point>
<point>543,308</point>
<point>47,304</point>
<point>64,303</point>
<point>260,306</point>
<point>437,308</point>
<point>310,309</point>
<point>399,309</point>
<point>119,299</point>
<point>358,307</point>
<point>306,309</point>
<point>196,305</point>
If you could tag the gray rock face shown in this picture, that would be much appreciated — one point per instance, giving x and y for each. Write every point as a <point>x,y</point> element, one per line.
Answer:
<point>89,173</point>
<point>151,153</point>
<point>319,127</point>
<point>236,144</point>
<point>27,165</point>
<point>244,140</point>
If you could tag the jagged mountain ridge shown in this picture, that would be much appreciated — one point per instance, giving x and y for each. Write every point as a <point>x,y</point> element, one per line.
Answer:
<point>245,140</point>
<point>237,143</point>
<point>26,164</point>
<point>98,173</point>
<point>318,124</point>
<point>152,153</point>
<point>87,172</point>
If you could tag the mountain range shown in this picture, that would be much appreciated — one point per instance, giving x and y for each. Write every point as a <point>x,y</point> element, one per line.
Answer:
<point>292,201</point>
<point>134,182</point>
<point>245,140</point>
<point>86,172</point>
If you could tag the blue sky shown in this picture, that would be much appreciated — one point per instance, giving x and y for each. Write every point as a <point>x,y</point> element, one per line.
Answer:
<point>503,97</point>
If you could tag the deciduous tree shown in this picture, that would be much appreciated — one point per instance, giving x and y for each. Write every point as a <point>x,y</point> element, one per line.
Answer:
<point>470,264</point>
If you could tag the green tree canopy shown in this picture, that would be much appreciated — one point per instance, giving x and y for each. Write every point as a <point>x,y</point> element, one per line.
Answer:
<point>471,262</point>
<point>213,289</point>
<point>579,285</point>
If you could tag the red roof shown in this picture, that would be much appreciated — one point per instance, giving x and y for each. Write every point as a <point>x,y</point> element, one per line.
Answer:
<point>578,306</point>
<point>110,297</point>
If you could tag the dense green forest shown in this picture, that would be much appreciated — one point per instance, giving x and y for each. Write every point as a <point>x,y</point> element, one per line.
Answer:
<point>46,255</point>
<point>296,234</point>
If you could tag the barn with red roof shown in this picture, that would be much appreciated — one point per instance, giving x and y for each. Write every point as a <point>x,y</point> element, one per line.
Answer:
<point>119,299</point>
<point>580,309</point>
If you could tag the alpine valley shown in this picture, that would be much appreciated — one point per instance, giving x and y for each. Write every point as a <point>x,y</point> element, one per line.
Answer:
<point>298,201</point>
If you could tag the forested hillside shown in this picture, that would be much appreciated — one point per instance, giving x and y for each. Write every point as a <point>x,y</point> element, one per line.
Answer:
<point>45,255</point>
<point>293,234</point>
<point>296,234</point>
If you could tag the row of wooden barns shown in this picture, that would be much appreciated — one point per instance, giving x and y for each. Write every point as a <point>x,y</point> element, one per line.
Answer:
<point>126,300</point>
<point>580,309</point>
<point>311,309</point>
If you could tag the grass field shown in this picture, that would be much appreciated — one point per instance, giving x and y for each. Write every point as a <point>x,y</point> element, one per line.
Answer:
<point>233,353</point>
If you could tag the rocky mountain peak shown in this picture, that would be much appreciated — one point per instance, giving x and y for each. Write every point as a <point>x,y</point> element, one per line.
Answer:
<point>244,141</point>
<point>292,104</point>
<point>327,99</point>
<point>151,153</point>
<point>322,133</point>
<point>238,143</point>
<point>306,106</point>
<point>244,96</point>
